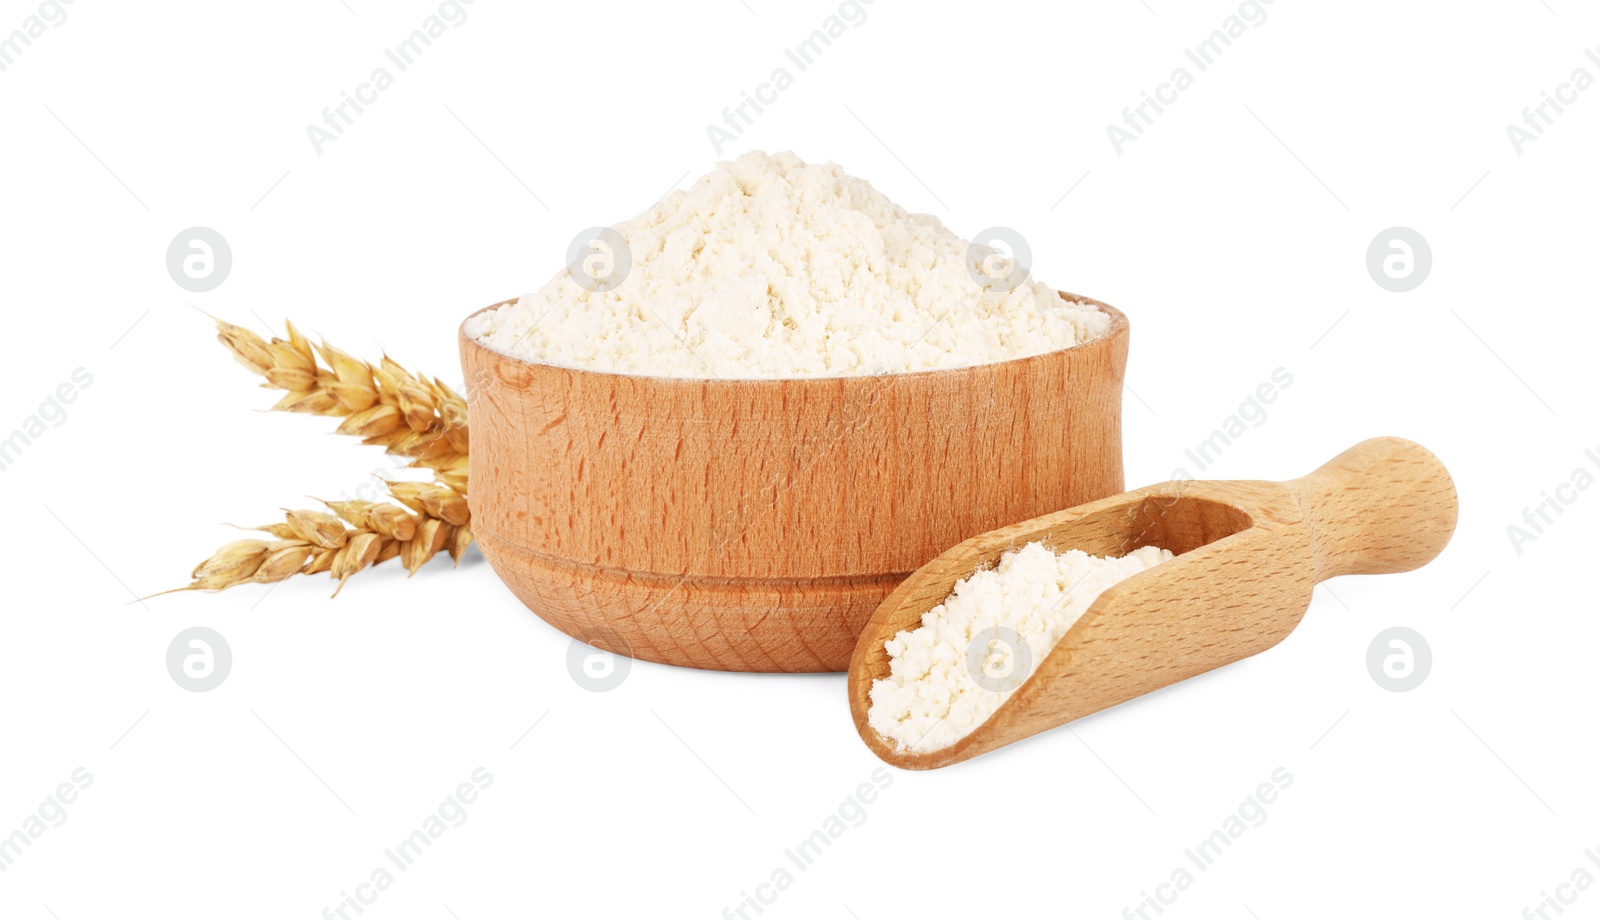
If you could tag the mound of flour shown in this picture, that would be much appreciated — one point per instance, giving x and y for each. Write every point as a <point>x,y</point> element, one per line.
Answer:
<point>941,686</point>
<point>771,267</point>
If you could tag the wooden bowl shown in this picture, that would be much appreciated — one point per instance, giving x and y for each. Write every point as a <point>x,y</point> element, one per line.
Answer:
<point>754,525</point>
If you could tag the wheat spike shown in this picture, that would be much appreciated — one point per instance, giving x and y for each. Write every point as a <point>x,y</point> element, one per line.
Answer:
<point>383,404</point>
<point>355,536</point>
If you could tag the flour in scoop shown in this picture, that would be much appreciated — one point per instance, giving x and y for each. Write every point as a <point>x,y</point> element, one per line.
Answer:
<point>772,267</point>
<point>940,687</point>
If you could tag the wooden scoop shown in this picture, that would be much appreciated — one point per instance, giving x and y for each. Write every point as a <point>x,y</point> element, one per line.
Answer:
<point>1246,556</point>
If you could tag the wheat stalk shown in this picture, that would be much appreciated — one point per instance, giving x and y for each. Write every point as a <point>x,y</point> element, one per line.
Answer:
<point>355,535</point>
<point>408,415</point>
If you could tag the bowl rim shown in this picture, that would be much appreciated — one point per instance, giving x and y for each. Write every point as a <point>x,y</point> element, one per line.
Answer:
<point>1117,330</point>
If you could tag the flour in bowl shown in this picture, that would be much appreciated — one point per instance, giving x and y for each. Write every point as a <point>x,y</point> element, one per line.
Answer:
<point>772,267</point>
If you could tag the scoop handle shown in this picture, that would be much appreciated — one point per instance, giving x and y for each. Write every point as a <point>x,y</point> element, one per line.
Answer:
<point>1384,505</point>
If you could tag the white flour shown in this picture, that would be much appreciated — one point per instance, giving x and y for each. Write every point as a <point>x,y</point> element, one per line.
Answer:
<point>931,698</point>
<point>769,267</point>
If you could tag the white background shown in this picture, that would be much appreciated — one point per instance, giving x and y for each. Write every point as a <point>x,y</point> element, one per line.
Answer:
<point>1233,233</point>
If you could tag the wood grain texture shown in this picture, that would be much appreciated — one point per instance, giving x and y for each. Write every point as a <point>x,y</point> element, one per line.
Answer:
<point>754,525</point>
<point>1247,555</point>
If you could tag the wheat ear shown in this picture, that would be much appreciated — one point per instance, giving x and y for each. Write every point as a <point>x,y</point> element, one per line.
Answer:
<point>408,415</point>
<point>354,536</point>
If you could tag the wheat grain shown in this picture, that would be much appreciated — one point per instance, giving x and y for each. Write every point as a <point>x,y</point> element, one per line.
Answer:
<point>360,552</point>
<point>433,500</point>
<point>318,528</point>
<point>287,559</point>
